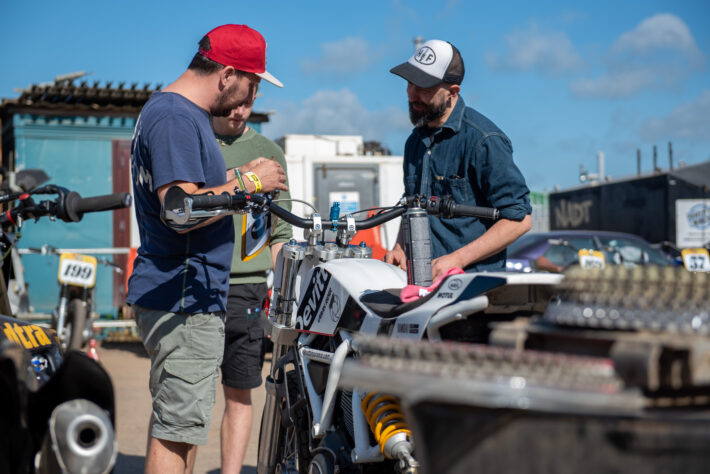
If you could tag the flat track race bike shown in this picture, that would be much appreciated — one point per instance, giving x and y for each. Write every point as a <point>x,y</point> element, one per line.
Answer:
<point>57,407</point>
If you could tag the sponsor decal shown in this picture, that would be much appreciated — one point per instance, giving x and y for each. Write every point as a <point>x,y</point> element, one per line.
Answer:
<point>333,303</point>
<point>313,299</point>
<point>407,328</point>
<point>699,216</point>
<point>445,294</point>
<point>315,354</point>
<point>425,55</point>
<point>28,336</point>
<point>454,284</point>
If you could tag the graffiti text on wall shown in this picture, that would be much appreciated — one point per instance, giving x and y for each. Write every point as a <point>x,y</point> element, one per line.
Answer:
<point>570,214</point>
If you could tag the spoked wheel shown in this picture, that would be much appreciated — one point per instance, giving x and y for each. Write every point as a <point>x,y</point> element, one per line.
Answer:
<point>76,317</point>
<point>295,455</point>
<point>291,436</point>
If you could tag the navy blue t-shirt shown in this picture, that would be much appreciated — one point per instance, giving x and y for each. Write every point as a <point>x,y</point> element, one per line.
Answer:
<point>173,141</point>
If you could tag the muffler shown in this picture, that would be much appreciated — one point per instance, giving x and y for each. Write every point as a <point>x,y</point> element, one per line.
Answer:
<point>80,439</point>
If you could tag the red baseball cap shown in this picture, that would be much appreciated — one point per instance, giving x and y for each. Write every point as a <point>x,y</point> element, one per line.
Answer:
<point>240,47</point>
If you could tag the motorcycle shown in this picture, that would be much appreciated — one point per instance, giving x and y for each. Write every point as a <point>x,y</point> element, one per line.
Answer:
<point>328,293</point>
<point>612,377</point>
<point>74,315</point>
<point>58,407</point>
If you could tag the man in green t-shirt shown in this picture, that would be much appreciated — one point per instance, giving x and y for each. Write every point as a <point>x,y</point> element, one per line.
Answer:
<point>258,240</point>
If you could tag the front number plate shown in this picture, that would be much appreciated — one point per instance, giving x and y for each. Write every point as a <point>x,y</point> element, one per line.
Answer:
<point>696,260</point>
<point>589,258</point>
<point>77,270</point>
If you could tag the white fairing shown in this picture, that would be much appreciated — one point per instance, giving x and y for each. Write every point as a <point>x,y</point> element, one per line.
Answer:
<point>325,290</point>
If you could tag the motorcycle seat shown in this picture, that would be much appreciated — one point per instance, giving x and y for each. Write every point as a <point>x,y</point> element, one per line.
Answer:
<point>387,304</point>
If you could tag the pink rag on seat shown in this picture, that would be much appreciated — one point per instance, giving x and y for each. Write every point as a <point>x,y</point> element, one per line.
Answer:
<point>414,292</point>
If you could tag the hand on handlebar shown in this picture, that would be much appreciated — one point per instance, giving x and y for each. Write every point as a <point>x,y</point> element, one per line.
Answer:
<point>270,174</point>
<point>397,257</point>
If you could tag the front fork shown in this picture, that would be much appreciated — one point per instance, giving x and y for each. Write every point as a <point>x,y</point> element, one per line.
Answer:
<point>283,336</point>
<point>64,295</point>
<point>270,432</point>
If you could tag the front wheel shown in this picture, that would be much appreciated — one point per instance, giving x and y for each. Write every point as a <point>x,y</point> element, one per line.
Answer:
<point>321,464</point>
<point>77,315</point>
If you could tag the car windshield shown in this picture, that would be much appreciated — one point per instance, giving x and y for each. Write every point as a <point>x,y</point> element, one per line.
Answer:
<point>524,243</point>
<point>635,251</point>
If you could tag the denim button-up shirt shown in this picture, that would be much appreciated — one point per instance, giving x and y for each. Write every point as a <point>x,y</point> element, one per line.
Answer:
<point>470,159</point>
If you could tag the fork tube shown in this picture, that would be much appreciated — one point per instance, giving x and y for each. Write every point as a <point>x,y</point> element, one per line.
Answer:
<point>62,313</point>
<point>270,431</point>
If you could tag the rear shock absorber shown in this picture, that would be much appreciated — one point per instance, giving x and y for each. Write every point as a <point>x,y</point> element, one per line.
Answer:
<point>392,433</point>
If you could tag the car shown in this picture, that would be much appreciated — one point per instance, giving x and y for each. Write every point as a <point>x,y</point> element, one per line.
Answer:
<point>556,250</point>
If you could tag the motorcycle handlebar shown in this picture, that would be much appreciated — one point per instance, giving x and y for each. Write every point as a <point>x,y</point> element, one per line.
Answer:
<point>68,206</point>
<point>75,205</point>
<point>225,201</point>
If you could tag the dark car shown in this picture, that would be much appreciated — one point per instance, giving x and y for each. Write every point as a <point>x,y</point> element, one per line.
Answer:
<point>556,250</point>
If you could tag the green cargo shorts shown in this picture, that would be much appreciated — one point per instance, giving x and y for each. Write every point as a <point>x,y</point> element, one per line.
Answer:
<point>185,354</point>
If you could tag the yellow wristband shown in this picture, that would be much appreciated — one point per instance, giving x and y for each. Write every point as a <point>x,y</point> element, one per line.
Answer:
<point>254,179</point>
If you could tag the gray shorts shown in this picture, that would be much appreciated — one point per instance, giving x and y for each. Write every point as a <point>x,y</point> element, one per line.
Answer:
<point>185,354</point>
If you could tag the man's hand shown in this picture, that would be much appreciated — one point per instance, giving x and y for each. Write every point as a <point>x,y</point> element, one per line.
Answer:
<point>396,257</point>
<point>268,171</point>
<point>441,265</point>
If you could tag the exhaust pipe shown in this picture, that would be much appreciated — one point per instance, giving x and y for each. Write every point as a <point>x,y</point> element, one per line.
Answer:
<point>80,439</point>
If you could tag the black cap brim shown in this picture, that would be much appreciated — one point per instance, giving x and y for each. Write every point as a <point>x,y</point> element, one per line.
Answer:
<point>415,75</point>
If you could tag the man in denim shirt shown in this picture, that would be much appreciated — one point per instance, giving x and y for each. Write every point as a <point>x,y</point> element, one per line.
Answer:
<point>456,151</point>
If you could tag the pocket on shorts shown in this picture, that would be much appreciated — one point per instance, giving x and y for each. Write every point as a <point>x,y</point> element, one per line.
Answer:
<point>256,344</point>
<point>187,393</point>
<point>206,337</point>
<point>256,334</point>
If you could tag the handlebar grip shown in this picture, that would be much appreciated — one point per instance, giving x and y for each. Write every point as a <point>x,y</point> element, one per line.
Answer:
<point>475,211</point>
<point>211,201</point>
<point>75,206</point>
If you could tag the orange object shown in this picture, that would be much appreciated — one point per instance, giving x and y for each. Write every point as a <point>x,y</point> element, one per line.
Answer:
<point>92,352</point>
<point>132,252</point>
<point>373,238</point>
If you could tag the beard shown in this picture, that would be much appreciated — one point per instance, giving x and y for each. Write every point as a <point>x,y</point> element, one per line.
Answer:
<point>225,102</point>
<point>429,113</point>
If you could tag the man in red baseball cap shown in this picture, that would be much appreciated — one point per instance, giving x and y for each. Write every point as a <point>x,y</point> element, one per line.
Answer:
<point>240,47</point>
<point>178,288</point>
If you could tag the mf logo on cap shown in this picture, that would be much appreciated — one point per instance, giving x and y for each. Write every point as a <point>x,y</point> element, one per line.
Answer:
<point>425,55</point>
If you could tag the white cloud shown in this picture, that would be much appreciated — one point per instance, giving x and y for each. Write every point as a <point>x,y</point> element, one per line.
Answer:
<point>689,121</point>
<point>550,53</point>
<point>658,54</point>
<point>347,56</point>
<point>620,83</point>
<point>338,113</point>
<point>661,31</point>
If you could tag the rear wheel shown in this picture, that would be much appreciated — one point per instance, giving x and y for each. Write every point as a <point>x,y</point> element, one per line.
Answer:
<point>76,315</point>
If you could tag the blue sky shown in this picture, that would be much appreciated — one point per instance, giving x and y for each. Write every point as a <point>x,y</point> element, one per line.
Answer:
<point>563,79</point>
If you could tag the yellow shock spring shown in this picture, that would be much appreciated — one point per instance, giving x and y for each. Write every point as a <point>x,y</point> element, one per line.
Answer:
<point>385,418</point>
